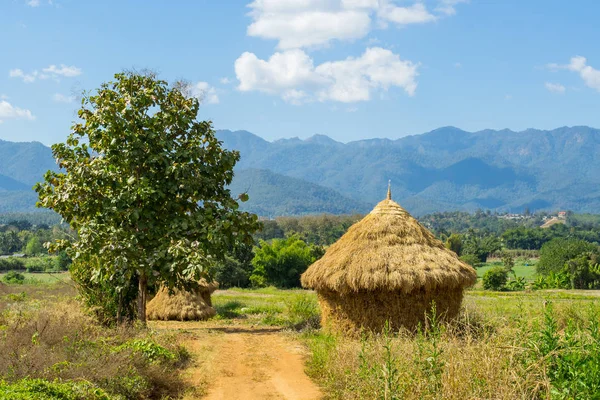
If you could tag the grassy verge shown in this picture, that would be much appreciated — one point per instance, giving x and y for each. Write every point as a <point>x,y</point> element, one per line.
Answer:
<point>52,350</point>
<point>269,306</point>
<point>503,346</point>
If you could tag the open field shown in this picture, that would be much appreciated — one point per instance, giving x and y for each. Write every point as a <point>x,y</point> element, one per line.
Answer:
<point>524,268</point>
<point>43,277</point>
<point>505,345</point>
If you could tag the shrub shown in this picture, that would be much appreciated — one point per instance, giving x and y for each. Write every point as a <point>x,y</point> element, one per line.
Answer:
<point>14,277</point>
<point>495,278</point>
<point>39,389</point>
<point>103,298</point>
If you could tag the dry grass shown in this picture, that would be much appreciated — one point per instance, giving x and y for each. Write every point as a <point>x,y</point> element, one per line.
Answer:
<point>491,351</point>
<point>44,333</point>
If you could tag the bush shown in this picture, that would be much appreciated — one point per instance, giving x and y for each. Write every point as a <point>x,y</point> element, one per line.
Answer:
<point>11,263</point>
<point>495,278</point>
<point>14,277</point>
<point>103,298</point>
<point>39,389</point>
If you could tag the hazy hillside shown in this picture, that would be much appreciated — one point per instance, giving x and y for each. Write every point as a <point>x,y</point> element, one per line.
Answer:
<point>445,169</point>
<point>273,194</point>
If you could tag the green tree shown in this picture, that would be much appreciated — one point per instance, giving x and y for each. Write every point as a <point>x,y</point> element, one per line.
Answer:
<point>584,271</point>
<point>236,268</point>
<point>144,185</point>
<point>455,243</point>
<point>281,262</point>
<point>34,247</point>
<point>555,253</point>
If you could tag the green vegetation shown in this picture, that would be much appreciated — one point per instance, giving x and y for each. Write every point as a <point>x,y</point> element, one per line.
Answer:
<point>53,350</point>
<point>495,278</point>
<point>503,347</point>
<point>143,183</point>
<point>281,262</point>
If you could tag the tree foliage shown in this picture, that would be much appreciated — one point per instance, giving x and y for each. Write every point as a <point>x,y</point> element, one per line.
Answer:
<point>144,185</point>
<point>281,262</point>
<point>555,253</point>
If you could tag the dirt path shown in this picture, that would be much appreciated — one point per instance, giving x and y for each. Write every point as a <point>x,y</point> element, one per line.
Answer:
<point>248,363</point>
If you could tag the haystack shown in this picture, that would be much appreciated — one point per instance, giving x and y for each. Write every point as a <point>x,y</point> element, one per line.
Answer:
<point>387,267</point>
<point>183,305</point>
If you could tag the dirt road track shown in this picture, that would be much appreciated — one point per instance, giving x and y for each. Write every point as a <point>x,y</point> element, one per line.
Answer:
<point>249,363</point>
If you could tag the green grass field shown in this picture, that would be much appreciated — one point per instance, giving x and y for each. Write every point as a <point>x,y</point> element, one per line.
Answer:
<point>522,268</point>
<point>43,277</point>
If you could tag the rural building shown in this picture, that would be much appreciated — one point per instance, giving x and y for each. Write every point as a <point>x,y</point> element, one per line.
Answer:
<point>387,267</point>
<point>182,305</point>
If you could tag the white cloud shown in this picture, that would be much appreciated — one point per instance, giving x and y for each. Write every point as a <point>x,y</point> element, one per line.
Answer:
<point>33,3</point>
<point>555,87</point>
<point>51,71</point>
<point>18,73</point>
<point>204,92</point>
<point>63,70</point>
<point>292,75</point>
<point>457,65</point>
<point>590,76</point>
<point>310,23</point>
<point>415,14</point>
<point>225,80</point>
<point>61,98</point>
<point>7,110</point>
<point>448,7</point>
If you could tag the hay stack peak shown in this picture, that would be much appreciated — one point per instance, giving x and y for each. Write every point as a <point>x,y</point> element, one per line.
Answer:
<point>387,257</point>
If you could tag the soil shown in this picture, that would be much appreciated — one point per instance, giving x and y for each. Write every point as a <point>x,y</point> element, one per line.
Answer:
<point>244,362</point>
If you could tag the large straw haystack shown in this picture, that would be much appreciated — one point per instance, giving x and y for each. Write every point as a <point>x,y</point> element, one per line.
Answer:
<point>387,267</point>
<point>183,305</point>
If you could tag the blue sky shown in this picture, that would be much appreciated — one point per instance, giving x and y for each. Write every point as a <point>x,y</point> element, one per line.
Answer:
<point>349,69</point>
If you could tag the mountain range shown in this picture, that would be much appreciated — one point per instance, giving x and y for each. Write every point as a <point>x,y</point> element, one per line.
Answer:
<point>445,169</point>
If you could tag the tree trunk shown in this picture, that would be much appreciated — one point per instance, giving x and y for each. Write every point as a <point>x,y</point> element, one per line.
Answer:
<point>141,300</point>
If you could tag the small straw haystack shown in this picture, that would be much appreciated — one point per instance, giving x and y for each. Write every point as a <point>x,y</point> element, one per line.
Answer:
<point>183,305</point>
<point>387,267</point>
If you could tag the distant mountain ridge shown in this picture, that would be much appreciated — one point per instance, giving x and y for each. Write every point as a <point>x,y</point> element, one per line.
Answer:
<point>445,169</point>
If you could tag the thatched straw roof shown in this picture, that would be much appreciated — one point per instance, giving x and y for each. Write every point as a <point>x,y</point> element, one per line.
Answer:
<point>388,250</point>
